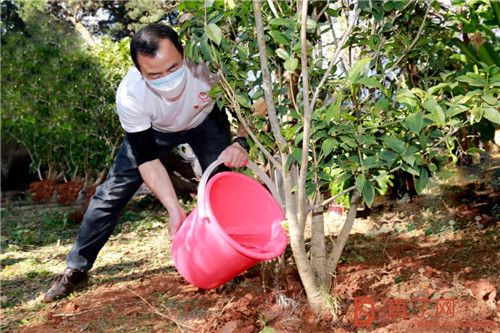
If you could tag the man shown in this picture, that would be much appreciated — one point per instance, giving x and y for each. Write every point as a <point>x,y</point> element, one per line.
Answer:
<point>161,103</point>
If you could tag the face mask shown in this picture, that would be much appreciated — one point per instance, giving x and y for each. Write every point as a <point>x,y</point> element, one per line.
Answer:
<point>170,85</point>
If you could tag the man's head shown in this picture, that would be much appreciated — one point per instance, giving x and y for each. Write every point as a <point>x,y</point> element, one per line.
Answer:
<point>156,51</point>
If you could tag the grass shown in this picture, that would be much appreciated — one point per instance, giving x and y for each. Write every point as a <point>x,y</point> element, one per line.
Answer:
<point>35,242</point>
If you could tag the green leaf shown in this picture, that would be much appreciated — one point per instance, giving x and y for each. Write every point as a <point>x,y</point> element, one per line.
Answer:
<point>436,111</point>
<point>357,70</point>
<point>279,38</point>
<point>492,115</point>
<point>388,156</point>
<point>282,54</point>
<point>242,52</point>
<point>214,33</point>
<point>189,49</point>
<point>268,329</point>
<point>456,109</point>
<point>349,141</point>
<point>244,100</point>
<point>467,50</point>
<point>205,48</point>
<point>432,167</point>
<point>368,193</point>
<point>490,99</point>
<point>382,104</point>
<point>288,133</point>
<point>395,144</point>
<point>360,183</point>
<point>369,140</point>
<point>311,24</point>
<point>328,145</point>
<point>278,21</point>
<point>473,79</point>
<point>291,64</point>
<point>405,96</point>
<point>298,138</point>
<point>333,112</point>
<point>430,104</point>
<point>421,181</point>
<point>410,169</point>
<point>297,154</point>
<point>333,12</point>
<point>474,150</point>
<point>495,80</point>
<point>414,122</point>
<point>383,182</point>
<point>285,225</point>
<point>437,87</point>
<point>410,155</point>
<point>369,161</point>
<point>370,82</point>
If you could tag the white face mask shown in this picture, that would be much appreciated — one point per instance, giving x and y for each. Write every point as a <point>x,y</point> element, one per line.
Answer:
<point>170,85</point>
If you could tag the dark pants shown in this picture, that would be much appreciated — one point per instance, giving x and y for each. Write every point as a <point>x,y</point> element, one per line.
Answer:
<point>207,140</point>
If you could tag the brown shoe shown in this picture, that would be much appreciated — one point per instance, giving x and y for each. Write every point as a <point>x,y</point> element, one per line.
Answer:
<point>65,284</point>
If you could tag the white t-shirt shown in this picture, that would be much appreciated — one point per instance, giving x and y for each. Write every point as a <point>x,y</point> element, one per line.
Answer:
<point>139,106</point>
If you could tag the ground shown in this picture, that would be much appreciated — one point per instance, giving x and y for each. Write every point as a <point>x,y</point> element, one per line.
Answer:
<point>436,254</point>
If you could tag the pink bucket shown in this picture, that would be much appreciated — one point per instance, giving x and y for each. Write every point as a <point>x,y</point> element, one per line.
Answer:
<point>235,225</point>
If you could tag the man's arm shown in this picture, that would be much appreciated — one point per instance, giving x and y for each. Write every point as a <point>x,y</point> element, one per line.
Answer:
<point>155,176</point>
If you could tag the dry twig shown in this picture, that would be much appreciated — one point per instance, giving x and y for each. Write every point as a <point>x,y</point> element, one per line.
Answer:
<point>220,314</point>
<point>166,316</point>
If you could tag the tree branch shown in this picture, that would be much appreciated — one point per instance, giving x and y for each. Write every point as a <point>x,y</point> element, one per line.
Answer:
<point>415,40</point>
<point>304,163</point>
<point>340,45</point>
<point>273,9</point>
<point>266,77</point>
<point>236,107</point>
<point>334,256</point>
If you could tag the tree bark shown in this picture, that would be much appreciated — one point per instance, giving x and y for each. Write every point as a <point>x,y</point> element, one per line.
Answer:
<point>313,291</point>
<point>303,200</point>
<point>318,248</point>
<point>344,233</point>
<point>266,77</point>
<point>79,27</point>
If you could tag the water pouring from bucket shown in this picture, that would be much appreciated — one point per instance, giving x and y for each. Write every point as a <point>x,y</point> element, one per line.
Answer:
<point>236,224</point>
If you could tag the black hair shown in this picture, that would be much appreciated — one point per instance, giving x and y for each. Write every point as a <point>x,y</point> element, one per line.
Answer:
<point>147,40</point>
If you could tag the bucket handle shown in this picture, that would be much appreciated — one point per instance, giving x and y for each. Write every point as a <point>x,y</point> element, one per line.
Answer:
<point>251,165</point>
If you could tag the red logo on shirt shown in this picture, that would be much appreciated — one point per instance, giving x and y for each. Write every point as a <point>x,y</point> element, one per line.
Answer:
<point>203,97</point>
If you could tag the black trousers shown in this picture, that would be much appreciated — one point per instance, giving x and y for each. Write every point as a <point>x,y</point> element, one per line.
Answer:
<point>207,140</point>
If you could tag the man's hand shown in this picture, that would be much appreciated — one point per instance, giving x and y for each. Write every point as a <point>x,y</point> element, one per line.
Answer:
<point>176,219</point>
<point>234,156</point>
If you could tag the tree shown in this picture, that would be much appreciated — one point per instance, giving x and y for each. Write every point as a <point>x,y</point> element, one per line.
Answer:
<point>11,21</point>
<point>338,123</point>
<point>58,96</point>
<point>116,19</point>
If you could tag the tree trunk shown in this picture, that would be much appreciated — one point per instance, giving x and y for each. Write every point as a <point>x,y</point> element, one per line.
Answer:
<point>306,273</point>
<point>318,248</point>
<point>83,32</point>
<point>80,28</point>
<point>344,233</point>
